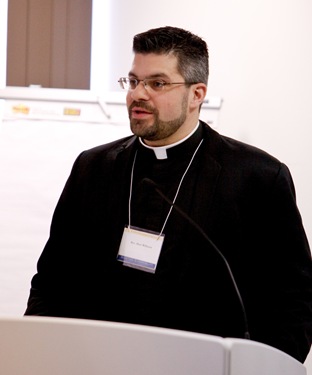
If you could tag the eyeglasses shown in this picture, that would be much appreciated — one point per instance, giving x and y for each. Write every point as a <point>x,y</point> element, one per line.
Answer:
<point>149,83</point>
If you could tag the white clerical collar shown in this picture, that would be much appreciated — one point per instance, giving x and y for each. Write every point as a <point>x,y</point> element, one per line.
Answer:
<point>161,151</point>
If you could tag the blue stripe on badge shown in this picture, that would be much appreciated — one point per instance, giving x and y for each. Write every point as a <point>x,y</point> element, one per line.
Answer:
<point>136,262</point>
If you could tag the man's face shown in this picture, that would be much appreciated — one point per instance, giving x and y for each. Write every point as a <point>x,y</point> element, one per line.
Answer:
<point>159,117</point>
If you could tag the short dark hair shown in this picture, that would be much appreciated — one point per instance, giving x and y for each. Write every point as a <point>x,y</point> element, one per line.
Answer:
<point>191,51</point>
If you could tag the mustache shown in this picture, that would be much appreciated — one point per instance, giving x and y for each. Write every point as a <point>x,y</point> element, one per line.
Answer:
<point>142,105</point>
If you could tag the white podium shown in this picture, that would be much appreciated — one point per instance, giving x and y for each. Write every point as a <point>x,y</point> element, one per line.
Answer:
<point>57,346</point>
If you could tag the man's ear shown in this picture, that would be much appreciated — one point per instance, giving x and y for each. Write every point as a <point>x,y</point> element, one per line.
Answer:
<point>199,91</point>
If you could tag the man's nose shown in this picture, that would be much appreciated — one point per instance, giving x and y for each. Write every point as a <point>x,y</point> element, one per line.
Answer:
<point>140,92</point>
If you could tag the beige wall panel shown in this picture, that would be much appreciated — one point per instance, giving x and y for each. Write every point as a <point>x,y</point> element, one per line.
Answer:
<point>49,43</point>
<point>39,42</point>
<point>79,44</point>
<point>59,41</point>
<point>17,43</point>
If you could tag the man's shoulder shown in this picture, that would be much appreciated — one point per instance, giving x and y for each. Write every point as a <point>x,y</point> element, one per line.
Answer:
<point>240,159</point>
<point>227,149</point>
<point>104,154</point>
<point>113,146</point>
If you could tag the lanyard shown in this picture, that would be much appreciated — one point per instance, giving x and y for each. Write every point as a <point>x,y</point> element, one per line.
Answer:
<point>176,194</point>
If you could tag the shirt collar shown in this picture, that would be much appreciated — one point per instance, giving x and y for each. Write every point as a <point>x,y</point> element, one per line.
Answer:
<point>161,151</point>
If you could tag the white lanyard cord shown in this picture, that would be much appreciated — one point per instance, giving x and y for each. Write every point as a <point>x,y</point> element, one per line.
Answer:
<point>131,183</point>
<point>176,194</point>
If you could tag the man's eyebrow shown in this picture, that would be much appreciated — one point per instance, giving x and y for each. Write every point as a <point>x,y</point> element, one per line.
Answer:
<point>155,75</point>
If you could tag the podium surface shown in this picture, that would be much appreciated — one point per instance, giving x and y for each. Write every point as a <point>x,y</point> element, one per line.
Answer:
<point>46,346</point>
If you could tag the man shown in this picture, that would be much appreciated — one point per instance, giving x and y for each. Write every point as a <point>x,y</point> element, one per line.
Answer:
<point>118,251</point>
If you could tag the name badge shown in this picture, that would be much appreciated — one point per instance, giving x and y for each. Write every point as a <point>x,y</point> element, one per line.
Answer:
<point>140,249</point>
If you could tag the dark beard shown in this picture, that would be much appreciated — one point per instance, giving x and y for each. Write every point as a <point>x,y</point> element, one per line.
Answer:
<point>160,129</point>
